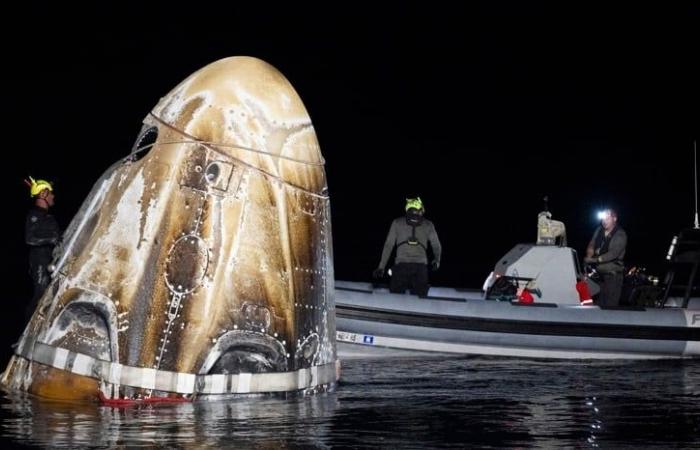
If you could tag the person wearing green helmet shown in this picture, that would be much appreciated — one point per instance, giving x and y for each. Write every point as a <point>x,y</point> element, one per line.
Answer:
<point>410,234</point>
<point>41,233</point>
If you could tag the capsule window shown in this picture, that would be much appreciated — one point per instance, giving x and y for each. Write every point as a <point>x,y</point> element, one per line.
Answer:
<point>212,173</point>
<point>144,143</point>
<point>218,174</point>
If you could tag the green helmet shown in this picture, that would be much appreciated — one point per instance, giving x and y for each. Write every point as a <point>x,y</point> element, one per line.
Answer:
<point>414,203</point>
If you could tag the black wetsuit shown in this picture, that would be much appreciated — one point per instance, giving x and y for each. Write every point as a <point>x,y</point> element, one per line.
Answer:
<point>41,233</point>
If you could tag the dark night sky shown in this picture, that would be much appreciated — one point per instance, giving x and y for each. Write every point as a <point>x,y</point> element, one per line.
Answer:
<point>479,110</point>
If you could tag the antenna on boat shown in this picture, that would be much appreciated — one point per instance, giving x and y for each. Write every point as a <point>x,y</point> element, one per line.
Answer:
<point>546,203</point>
<point>695,160</point>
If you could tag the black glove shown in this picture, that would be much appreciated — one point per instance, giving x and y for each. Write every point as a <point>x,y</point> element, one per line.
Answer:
<point>590,260</point>
<point>435,265</point>
<point>378,273</point>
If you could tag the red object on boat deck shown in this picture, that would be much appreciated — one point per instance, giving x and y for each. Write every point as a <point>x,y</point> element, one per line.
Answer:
<point>525,297</point>
<point>584,295</point>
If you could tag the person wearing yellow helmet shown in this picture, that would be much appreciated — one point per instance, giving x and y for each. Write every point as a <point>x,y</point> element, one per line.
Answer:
<point>37,187</point>
<point>410,234</point>
<point>41,233</point>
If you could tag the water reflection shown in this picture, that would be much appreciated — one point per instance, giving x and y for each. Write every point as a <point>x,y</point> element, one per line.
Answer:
<point>406,403</point>
<point>246,423</point>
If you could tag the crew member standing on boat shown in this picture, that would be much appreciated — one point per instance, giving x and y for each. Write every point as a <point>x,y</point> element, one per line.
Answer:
<point>411,235</point>
<point>607,252</point>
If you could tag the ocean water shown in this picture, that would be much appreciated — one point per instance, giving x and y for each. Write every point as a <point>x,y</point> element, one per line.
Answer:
<point>408,402</point>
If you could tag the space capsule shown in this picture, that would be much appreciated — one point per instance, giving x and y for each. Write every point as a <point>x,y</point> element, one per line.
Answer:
<point>200,265</point>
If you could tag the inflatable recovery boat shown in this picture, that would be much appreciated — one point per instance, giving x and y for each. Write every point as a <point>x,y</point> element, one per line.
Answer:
<point>556,323</point>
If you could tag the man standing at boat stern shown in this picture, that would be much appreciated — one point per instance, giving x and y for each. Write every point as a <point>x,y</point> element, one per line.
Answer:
<point>411,235</point>
<point>606,252</point>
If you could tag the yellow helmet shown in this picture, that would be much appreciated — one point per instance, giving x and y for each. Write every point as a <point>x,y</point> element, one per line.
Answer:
<point>414,203</point>
<point>36,187</point>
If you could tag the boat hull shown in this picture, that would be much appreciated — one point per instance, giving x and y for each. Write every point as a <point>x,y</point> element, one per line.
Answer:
<point>462,322</point>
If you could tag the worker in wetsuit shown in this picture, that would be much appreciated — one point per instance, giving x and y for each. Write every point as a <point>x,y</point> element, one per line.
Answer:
<point>41,234</point>
<point>411,235</point>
